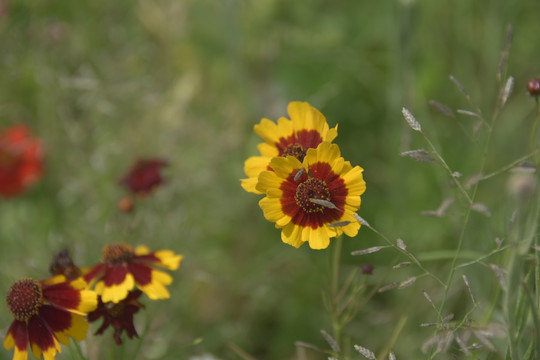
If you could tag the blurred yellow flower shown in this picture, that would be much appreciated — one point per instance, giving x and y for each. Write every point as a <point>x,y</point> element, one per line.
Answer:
<point>47,313</point>
<point>314,200</point>
<point>306,129</point>
<point>122,268</point>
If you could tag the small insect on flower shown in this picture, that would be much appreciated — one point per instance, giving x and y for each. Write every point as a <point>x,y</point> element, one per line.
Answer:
<point>306,129</point>
<point>21,160</point>
<point>309,208</point>
<point>47,313</point>
<point>123,267</point>
<point>144,176</point>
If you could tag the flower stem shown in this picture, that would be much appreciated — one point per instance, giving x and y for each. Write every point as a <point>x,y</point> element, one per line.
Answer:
<point>334,290</point>
<point>533,131</point>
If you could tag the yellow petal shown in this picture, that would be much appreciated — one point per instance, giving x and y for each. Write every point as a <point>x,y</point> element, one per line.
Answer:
<point>142,250</point>
<point>169,259</point>
<point>292,235</point>
<point>9,342</point>
<point>305,116</point>
<point>268,180</point>
<point>156,289</point>
<point>318,238</point>
<point>285,166</point>
<point>20,355</point>
<point>354,181</point>
<point>254,165</point>
<point>331,134</point>
<point>273,212</point>
<point>250,185</point>
<point>78,328</point>
<point>272,132</point>
<point>115,293</point>
<point>88,301</point>
<point>268,150</point>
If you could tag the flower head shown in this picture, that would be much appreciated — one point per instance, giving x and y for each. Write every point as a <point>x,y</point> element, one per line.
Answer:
<point>122,268</point>
<point>306,129</point>
<point>314,200</point>
<point>46,314</point>
<point>20,160</point>
<point>118,315</point>
<point>144,176</point>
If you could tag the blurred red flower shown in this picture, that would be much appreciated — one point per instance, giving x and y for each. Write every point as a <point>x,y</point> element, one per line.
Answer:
<point>144,176</point>
<point>118,315</point>
<point>21,160</point>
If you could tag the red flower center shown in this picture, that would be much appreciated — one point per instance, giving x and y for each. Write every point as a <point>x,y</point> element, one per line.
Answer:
<point>24,299</point>
<point>312,188</point>
<point>117,254</point>
<point>295,150</point>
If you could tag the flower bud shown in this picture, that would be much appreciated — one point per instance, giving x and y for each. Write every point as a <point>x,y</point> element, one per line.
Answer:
<point>533,87</point>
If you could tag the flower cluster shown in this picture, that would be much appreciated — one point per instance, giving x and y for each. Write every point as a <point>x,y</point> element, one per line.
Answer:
<point>48,312</point>
<point>311,192</point>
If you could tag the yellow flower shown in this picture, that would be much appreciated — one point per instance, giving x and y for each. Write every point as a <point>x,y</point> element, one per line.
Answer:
<point>122,268</point>
<point>47,313</point>
<point>306,129</point>
<point>314,200</point>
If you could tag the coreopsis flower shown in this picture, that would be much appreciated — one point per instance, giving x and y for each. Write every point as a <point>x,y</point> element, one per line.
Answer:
<point>21,160</point>
<point>123,267</point>
<point>306,129</point>
<point>144,176</point>
<point>47,313</point>
<point>314,200</point>
<point>118,315</point>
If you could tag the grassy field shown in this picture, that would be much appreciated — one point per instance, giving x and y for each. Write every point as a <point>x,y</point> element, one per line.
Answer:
<point>103,83</point>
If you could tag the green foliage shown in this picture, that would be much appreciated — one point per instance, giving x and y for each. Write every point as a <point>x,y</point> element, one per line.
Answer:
<point>105,82</point>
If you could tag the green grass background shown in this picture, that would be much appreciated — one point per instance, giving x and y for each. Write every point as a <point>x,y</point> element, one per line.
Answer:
<point>105,82</point>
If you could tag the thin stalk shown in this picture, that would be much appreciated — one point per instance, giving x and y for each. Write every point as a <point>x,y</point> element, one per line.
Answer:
<point>78,350</point>
<point>450,172</point>
<point>533,131</point>
<point>334,289</point>
<point>406,253</point>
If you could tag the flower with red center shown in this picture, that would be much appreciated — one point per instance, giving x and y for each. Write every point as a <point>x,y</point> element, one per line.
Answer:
<point>122,268</point>
<point>118,315</point>
<point>144,176</point>
<point>306,129</point>
<point>21,160</point>
<point>46,314</point>
<point>313,200</point>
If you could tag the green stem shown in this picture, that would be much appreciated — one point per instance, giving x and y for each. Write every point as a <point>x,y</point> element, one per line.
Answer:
<point>334,289</point>
<point>78,350</point>
<point>533,131</point>
<point>450,172</point>
<point>406,253</point>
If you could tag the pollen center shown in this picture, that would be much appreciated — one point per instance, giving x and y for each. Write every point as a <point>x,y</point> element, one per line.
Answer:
<point>24,299</point>
<point>117,253</point>
<point>295,150</point>
<point>311,189</point>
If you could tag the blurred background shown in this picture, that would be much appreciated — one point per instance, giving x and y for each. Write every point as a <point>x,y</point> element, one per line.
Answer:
<point>104,83</point>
